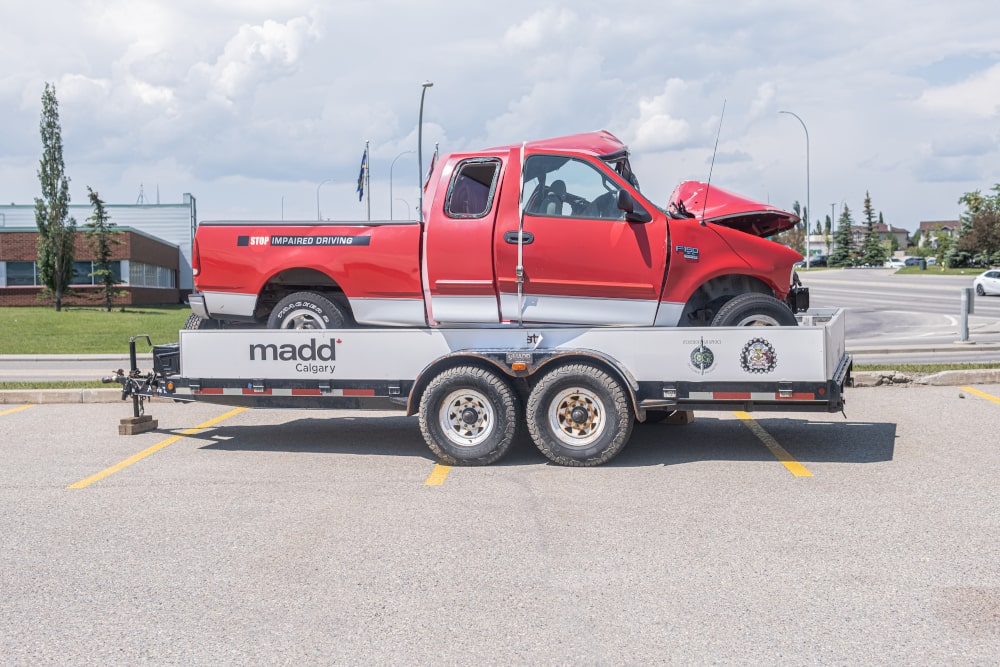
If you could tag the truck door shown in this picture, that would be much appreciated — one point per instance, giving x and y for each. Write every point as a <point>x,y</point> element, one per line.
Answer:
<point>458,245</point>
<point>583,263</point>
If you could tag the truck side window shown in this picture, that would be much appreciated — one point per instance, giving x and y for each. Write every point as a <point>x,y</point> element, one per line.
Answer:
<point>558,186</point>
<point>470,194</point>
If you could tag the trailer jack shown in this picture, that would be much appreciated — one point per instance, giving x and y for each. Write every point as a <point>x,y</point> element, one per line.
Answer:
<point>139,387</point>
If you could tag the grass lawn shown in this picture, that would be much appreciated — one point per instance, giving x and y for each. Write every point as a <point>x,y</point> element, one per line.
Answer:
<point>77,330</point>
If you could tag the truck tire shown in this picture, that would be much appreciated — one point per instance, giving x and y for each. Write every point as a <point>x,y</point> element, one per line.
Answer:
<point>754,310</point>
<point>469,416</point>
<point>578,415</point>
<point>306,310</point>
<point>196,323</point>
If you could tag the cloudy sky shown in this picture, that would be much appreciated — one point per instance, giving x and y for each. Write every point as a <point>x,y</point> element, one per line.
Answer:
<point>251,105</point>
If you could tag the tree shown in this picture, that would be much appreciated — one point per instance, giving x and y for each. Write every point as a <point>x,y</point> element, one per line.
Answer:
<point>980,231</point>
<point>843,241</point>
<point>56,228</point>
<point>102,235</point>
<point>872,250</point>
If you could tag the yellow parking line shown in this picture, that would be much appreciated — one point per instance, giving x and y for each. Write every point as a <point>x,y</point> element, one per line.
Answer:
<point>981,394</point>
<point>779,452</point>
<point>17,409</point>
<point>152,450</point>
<point>437,475</point>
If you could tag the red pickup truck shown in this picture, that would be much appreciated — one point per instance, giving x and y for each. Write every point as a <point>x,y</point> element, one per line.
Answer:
<point>554,231</point>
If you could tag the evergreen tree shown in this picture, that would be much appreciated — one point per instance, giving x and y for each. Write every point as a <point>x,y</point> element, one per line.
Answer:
<point>872,251</point>
<point>102,234</point>
<point>843,241</point>
<point>56,229</point>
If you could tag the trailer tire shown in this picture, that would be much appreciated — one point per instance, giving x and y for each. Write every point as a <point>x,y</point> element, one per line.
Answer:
<point>754,310</point>
<point>578,415</point>
<point>469,416</point>
<point>197,323</point>
<point>306,310</point>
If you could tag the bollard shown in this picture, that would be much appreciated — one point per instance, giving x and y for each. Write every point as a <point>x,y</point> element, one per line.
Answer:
<point>968,307</point>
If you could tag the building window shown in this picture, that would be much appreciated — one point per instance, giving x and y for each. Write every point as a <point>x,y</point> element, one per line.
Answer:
<point>82,273</point>
<point>141,274</point>
<point>21,274</point>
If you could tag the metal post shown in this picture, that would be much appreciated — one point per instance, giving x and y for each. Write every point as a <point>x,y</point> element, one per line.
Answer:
<point>808,205</point>
<point>968,307</point>
<point>318,218</point>
<point>391,200</point>
<point>420,152</point>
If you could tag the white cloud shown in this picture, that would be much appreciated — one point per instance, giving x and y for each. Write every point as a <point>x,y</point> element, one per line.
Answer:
<point>978,95</point>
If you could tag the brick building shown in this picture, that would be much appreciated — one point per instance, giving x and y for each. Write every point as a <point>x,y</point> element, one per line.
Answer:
<point>146,266</point>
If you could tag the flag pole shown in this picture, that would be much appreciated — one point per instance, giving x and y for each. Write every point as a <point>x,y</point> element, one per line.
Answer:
<point>368,183</point>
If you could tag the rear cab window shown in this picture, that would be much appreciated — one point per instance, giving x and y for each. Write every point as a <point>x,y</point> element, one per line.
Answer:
<point>472,188</point>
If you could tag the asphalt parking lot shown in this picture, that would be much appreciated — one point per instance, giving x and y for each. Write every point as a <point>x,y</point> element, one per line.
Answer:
<point>295,537</point>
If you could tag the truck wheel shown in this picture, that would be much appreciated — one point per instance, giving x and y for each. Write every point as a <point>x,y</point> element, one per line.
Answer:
<point>579,415</point>
<point>754,310</point>
<point>306,310</point>
<point>196,323</point>
<point>469,416</point>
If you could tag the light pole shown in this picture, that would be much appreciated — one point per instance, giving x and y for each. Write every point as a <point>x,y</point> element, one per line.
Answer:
<point>317,197</point>
<point>390,180</point>
<point>808,207</point>
<point>420,151</point>
<point>405,202</point>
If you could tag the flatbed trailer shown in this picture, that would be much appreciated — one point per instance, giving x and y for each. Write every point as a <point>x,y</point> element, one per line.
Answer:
<point>578,390</point>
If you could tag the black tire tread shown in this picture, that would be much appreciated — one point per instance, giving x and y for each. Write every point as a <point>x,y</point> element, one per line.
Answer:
<point>338,319</point>
<point>508,413</point>
<point>620,403</point>
<point>751,301</point>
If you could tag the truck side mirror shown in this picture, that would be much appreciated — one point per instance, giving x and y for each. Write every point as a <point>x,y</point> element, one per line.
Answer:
<point>627,204</point>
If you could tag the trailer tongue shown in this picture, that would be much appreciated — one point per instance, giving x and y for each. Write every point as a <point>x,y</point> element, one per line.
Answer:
<point>577,389</point>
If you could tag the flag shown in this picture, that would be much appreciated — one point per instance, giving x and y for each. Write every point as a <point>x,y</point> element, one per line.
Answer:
<point>361,175</point>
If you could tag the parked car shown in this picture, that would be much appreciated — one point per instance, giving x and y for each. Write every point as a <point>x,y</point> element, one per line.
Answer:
<point>894,263</point>
<point>932,261</point>
<point>817,260</point>
<point>912,261</point>
<point>987,282</point>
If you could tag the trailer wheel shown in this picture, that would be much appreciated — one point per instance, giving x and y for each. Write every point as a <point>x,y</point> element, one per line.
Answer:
<point>579,415</point>
<point>754,310</point>
<point>196,323</point>
<point>469,416</point>
<point>306,310</point>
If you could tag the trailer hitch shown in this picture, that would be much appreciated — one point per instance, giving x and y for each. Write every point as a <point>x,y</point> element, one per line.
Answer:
<point>134,384</point>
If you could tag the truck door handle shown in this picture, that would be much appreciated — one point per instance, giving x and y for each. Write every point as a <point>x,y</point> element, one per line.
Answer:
<point>511,237</point>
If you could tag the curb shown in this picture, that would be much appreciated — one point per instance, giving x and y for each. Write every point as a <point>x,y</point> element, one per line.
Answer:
<point>45,396</point>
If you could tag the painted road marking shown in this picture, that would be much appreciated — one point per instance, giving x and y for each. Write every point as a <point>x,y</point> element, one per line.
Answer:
<point>779,452</point>
<point>83,483</point>
<point>981,394</point>
<point>17,409</point>
<point>437,475</point>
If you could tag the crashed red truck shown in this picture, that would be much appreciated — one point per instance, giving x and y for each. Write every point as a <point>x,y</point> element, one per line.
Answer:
<point>554,231</point>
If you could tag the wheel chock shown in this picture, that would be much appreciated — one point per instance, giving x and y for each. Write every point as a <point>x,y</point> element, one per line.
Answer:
<point>137,425</point>
<point>680,417</point>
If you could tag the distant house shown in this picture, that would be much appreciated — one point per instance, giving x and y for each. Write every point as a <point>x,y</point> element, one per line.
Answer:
<point>929,230</point>
<point>884,231</point>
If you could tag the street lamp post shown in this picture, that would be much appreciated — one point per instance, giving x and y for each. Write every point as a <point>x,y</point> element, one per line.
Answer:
<point>420,151</point>
<point>318,218</point>
<point>391,200</point>
<point>808,207</point>
<point>405,203</point>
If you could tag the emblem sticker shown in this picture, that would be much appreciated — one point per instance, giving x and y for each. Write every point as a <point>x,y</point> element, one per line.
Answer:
<point>702,358</point>
<point>758,356</point>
